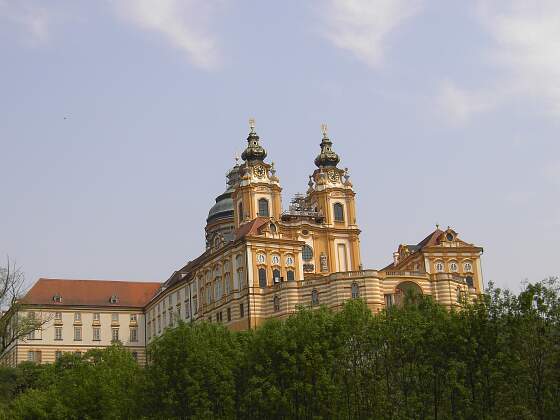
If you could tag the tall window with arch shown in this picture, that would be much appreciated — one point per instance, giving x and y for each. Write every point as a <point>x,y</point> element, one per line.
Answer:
<point>290,275</point>
<point>314,297</point>
<point>307,253</point>
<point>355,291</point>
<point>263,207</point>
<point>240,211</point>
<point>262,277</point>
<point>276,275</point>
<point>338,210</point>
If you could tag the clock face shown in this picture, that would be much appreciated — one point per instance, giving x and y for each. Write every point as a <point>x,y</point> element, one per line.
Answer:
<point>275,259</point>
<point>333,176</point>
<point>260,258</point>
<point>259,171</point>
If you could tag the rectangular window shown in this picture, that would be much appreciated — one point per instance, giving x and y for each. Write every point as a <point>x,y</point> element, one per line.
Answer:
<point>77,333</point>
<point>34,356</point>
<point>115,334</point>
<point>134,335</point>
<point>241,311</point>
<point>229,314</point>
<point>58,333</point>
<point>388,301</point>
<point>96,316</point>
<point>77,316</point>
<point>96,334</point>
<point>57,354</point>
<point>114,317</point>
<point>133,317</point>
<point>58,316</point>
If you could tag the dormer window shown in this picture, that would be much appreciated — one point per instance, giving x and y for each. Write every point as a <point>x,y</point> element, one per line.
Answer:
<point>57,298</point>
<point>449,236</point>
<point>273,228</point>
<point>114,299</point>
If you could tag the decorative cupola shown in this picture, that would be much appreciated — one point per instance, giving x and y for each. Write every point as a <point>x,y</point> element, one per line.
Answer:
<point>327,157</point>
<point>254,151</point>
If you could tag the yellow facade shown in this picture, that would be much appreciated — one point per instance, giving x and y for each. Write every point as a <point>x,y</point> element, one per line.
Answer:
<point>262,261</point>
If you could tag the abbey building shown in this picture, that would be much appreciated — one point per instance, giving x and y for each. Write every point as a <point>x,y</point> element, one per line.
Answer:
<point>261,261</point>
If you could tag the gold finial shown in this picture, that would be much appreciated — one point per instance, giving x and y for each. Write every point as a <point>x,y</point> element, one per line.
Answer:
<point>324,130</point>
<point>252,124</point>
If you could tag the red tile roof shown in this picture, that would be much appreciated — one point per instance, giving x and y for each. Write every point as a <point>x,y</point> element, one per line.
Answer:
<point>251,228</point>
<point>91,292</point>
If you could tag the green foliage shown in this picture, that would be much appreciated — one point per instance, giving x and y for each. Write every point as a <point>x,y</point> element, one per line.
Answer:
<point>497,357</point>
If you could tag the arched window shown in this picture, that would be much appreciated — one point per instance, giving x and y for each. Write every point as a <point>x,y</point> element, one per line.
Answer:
<point>469,281</point>
<point>407,290</point>
<point>262,277</point>
<point>263,207</point>
<point>273,228</point>
<point>439,267</point>
<point>453,266</point>
<point>338,212</point>
<point>459,295</point>
<point>276,275</point>
<point>276,301</point>
<point>355,291</point>
<point>314,297</point>
<point>240,212</point>
<point>307,253</point>
<point>467,267</point>
<point>290,275</point>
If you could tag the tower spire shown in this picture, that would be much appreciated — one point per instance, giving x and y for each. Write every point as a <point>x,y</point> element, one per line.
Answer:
<point>254,151</point>
<point>327,157</point>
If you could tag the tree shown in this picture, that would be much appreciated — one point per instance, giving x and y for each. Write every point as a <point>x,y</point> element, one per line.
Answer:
<point>13,325</point>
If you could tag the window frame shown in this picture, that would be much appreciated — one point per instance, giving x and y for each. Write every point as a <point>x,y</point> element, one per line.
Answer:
<point>260,201</point>
<point>338,212</point>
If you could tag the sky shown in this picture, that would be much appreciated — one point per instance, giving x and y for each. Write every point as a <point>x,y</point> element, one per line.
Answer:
<point>120,118</point>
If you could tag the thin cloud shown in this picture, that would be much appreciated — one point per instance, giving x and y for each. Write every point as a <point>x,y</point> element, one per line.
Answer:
<point>525,50</point>
<point>28,15</point>
<point>363,26</point>
<point>183,23</point>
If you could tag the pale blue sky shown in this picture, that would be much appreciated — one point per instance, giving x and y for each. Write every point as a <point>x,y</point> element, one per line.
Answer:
<point>119,119</point>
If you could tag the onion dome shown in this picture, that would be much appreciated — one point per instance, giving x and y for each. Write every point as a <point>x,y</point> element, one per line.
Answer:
<point>327,157</point>
<point>254,151</point>
<point>223,208</point>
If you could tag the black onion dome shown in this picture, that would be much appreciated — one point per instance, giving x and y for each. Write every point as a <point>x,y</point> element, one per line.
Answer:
<point>327,157</point>
<point>223,208</point>
<point>254,150</point>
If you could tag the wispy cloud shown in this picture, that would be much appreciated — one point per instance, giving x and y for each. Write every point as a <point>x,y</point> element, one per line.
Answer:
<point>31,16</point>
<point>363,26</point>
<point>461,104</point>
<point>183,23</point>
<point>525,50</point>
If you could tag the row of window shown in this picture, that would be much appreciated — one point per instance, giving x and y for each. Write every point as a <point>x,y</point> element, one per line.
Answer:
<point>276,301</point>
<point>35,355</point>
<point>263,282</point>
<point>96,316</point>
<point>275,259</point>
<point>96,334</point>
<point>453,267</point>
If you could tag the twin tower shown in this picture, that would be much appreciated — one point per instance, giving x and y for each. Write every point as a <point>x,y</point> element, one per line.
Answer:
<point>324,219</point>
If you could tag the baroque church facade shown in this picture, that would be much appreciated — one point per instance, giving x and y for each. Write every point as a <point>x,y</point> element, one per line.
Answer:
<point>260,262</point>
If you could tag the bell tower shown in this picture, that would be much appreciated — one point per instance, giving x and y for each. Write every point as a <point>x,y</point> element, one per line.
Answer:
<point>258,191</point>
<point>332,194</point>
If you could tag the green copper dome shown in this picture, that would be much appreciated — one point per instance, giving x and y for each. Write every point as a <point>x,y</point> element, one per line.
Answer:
<point>327,157</point>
